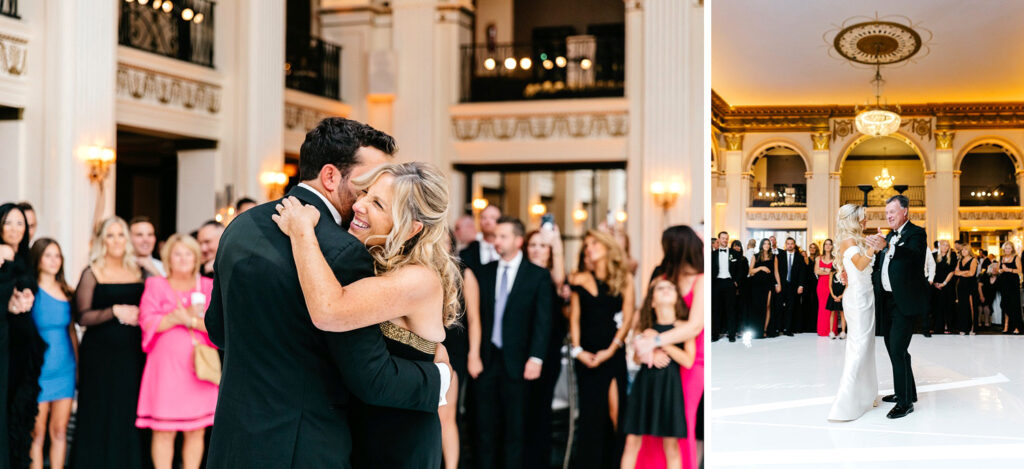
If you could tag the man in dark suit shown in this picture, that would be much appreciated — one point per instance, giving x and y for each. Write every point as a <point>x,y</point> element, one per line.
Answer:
<point>515,320</point>
<point>793,275</point>
<point>481,252</point>
<point>728,268</point>
<point>286,385</point>
<point>902,287</point>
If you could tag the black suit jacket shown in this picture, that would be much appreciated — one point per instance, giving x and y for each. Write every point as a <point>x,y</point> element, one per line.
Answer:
<point>526,324</point>
<point>906,271</point>
<point>738,267</point>
<point>470,256</point>
<point>799,275</point>
<point>286,385</point>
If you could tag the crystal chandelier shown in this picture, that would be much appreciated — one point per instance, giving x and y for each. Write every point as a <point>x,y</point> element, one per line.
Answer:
<point>877,120</point>
<point>884,180</point>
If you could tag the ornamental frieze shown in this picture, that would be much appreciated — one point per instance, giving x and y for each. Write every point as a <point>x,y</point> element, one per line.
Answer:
<point>147,85</point>
<point>540,127</point>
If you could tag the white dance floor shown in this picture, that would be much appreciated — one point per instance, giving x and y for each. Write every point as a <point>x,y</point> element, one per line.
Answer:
<point>769,403</point>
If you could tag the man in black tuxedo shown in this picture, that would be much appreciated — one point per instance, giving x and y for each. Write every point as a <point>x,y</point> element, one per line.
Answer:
<point>903,289</point>
<point>482,252</point>
<point>728,268</point>
<point>286,385</point>
<point>793,275</point>
<point>515,320</point>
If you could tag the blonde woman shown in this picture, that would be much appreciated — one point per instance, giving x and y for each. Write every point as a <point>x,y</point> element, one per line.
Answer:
<point>942,295</point>
<point>172,398</point>
<point>858,386</point>
<point>110,356</point>
<point>1009,288</point>
<point>966,289</point>
<point>598,296</point>
<point>401,216</point>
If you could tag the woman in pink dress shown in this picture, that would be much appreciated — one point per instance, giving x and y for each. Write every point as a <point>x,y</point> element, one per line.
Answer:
<point>684,262</point>
<point>171,398</point>
<point>826,321</point>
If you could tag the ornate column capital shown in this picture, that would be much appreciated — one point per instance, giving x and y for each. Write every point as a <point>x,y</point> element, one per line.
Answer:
<point>634,5</point>
<point>820,140</point>
<point>733,141</point>
<point>944,139</point>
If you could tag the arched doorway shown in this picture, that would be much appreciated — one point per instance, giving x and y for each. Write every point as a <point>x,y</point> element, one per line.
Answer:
<point>988,177</point>
<point>778,178</point>
<point>875,169</point>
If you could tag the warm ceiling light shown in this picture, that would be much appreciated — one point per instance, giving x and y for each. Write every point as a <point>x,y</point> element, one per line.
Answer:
<point>273,178</point>
<point>510,63</point>
<point>579,215</point>
<point>129,1</point>
<point>877,120</point>
<point>480,203</point>
<point>489,64</point>
<point>538,209</point>
<point>548,64</point>
<point>525,63</point>
<point>884,180</point>
<point>585,64</point>
<point>187,14</point>
<point>560,61</point>
<point>198,18</point>
<point>167,7</point>
<point>143,2</point>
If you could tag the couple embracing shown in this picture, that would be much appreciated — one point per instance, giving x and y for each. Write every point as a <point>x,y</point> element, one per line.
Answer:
<point>890,270</point>
<point>330,334</point>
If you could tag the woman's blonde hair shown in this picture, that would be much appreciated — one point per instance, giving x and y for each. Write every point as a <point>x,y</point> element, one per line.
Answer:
<point>420,193</point>
<point>948,258</point>
<point>190,243</point>
<point>848,226</point>
<point>98,248</point>
<point>616,268</point>
<point>1013,248</point>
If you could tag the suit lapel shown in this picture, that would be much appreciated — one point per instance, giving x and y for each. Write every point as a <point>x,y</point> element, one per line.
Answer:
<point>516,285</point>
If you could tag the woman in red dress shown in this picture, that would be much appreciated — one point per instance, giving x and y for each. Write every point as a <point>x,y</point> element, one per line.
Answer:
<point>826,320</point>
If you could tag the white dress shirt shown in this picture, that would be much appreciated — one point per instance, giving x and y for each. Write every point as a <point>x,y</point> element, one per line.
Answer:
<point>513,269</point>
<point>886,283</point>
<point>929,267</point>
<point>487,252</point>
<point>723,264</point>
<point>443,369</point>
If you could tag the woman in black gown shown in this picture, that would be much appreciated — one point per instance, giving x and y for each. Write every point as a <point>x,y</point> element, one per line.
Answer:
<point>942,290</point>
<point>110,355</point>
<point>966,288</point>
<point>809,304</point>
<point>413,297</point>
<point>598,296</point>
<point>25,346</point>
<point>763,278</point>
<point>1008,285</point>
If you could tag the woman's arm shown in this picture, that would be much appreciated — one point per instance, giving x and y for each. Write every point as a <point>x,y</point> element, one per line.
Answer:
<point>85,315</point>
<point>74,340</point>
<point>751,271</point>
<point>471,295</point>
<point>692,327</point>
<point>627,323</point>
<point>778,281</point>
<point>557,258</point>
<point>683,356</point>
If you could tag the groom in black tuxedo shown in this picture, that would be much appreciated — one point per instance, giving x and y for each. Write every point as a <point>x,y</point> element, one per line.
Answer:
<point>902,289</point>
<point>287,386</point>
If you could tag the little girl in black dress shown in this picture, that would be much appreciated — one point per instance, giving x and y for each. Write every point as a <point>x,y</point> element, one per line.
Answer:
<point>835,300</point>
<point>655,404</point>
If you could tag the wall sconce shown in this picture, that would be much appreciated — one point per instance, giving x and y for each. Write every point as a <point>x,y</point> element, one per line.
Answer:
<point>666,194</point>
<point>275,181</point>
<point>538,209</point>
<point>621,216</point>
<point>479,204</point>
<point>99,160</point>
<point>579,215</point>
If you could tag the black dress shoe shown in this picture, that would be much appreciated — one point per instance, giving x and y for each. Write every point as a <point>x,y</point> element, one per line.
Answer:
<point>790,334</point>
<point>899,412</point>
<point>732,338</point>
<point>892,398</point>
<point>927,334</point>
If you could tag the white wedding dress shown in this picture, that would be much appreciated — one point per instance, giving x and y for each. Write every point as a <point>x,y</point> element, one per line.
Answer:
<point>858,386</point>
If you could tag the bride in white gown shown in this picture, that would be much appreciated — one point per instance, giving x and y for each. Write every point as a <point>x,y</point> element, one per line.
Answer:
<point>858,386</point>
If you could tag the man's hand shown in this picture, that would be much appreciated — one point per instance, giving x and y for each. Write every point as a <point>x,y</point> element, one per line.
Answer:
<point>661,359</point>
<point>532,370</point>
<point>474,365</point>
<point>799,290</point>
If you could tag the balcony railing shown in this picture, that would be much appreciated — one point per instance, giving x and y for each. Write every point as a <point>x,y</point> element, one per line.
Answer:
<point>313,65</point>
<point>780,196</point>
<point>877,197</point>
<point>182,29</point>
<point>9,8</point>
<point>578,67</point>
<point>1006,195</point>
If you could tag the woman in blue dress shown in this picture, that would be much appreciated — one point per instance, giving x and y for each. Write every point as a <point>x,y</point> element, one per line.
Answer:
<point>52,315</point>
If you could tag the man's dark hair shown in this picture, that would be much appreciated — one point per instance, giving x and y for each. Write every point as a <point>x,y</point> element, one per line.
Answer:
<point>25,207</point>
<point>245,200</point>
<point>902,199</point>
<point>140,219</point>
<point>517,226</point>
<point>335,141</point>
<point>213,223</point>
<point>720,233</point>
<point>790,239</point>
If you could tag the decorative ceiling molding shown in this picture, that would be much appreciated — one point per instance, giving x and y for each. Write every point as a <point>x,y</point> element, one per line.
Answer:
<point>948,116</point>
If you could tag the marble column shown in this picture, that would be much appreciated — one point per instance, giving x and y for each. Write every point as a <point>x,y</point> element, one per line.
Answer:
<point>832,210</point>
<point>818,220</point>
<point>667,110</point>
<point>81,50</point>
<point>941,197</point>
<point>737,188</point>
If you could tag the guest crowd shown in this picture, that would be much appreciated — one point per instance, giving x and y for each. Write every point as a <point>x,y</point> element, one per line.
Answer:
<point>126,349</point>
<point>766,290</point>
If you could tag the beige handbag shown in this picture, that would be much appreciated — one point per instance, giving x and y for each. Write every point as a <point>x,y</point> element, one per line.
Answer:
<point>206,359</point>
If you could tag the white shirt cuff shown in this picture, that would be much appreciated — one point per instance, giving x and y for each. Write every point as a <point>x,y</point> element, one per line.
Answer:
<point>446,381</point>
<point>536,360</point>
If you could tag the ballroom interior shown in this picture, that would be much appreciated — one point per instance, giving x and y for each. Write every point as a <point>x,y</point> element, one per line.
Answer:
<point>789,96</point>
<point>587,109</point>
